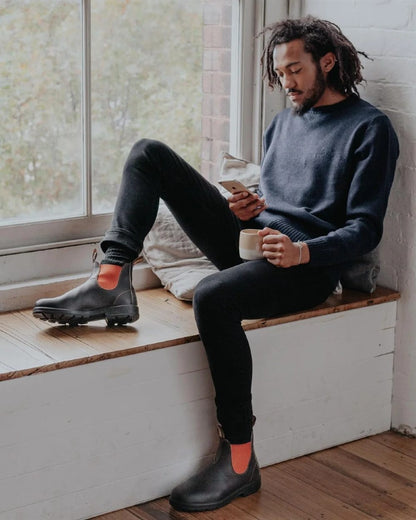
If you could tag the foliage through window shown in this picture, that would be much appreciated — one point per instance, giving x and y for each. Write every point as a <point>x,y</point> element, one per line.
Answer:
<point>146,76</point>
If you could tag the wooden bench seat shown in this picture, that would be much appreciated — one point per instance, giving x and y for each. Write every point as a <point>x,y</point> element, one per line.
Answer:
<point>130,412</point>
<point>29,346</point>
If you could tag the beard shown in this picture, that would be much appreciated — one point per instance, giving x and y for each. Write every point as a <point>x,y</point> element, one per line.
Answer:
<point>312,95</point>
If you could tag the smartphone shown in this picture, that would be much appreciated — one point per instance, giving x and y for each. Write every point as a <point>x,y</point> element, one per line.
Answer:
<point>234,186</point>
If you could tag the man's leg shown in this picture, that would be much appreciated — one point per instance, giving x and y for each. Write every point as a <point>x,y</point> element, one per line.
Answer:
<point>152,171</point>
<point>251,290</point>
<point>255,289</point>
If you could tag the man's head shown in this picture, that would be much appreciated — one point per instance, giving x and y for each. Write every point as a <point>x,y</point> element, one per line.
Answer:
<point>310,58</point>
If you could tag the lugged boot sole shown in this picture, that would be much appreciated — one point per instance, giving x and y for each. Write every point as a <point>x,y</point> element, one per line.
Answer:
<point>245,491</point>
<point>115,315</point>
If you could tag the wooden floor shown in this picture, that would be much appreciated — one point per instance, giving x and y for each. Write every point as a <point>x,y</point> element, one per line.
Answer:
<point>370,478</point>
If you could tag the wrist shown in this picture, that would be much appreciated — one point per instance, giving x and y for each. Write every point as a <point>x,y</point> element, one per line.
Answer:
<point>304,255</point>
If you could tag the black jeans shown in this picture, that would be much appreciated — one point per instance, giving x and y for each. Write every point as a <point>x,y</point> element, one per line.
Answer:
<point>240,290</point>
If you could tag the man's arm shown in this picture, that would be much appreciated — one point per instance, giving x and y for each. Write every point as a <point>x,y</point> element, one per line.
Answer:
<point>375,162</point>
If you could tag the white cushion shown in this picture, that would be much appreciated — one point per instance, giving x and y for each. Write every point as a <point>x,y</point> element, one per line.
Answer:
<point>175,260</point>
<point>232,168</point>
<point>172,256</point>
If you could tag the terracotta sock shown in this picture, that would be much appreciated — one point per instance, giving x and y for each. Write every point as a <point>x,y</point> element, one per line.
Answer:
<point>240,456</point>
<point>108,276</point>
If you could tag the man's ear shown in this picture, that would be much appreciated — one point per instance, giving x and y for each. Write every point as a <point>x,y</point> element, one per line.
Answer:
<point>327,62</point>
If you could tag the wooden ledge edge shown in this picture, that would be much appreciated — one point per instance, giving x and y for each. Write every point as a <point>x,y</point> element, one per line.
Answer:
<point>346,301</point>
<point>16,374</point>
<point>334,304</point>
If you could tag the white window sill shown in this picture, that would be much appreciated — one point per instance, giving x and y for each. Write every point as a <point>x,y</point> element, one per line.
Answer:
<point>23,295</point>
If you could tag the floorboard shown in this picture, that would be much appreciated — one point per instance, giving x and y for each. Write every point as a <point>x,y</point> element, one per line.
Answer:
<point>373,478</point>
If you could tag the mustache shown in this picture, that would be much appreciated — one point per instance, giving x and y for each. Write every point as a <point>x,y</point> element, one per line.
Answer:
<point>292,90</point>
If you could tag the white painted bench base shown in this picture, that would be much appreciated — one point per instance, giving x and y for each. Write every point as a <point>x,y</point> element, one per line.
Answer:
<point>90,439</point>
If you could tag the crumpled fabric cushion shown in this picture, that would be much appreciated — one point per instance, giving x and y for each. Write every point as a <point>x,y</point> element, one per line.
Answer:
<point>172,256</point>
<point>362,274</point>
<point>231,167</point>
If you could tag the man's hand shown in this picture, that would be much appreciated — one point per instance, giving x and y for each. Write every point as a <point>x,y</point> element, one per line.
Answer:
<point>245,205</point>
<point>280,251</point>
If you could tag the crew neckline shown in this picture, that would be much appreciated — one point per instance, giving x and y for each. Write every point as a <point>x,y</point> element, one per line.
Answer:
<point>352,98</point>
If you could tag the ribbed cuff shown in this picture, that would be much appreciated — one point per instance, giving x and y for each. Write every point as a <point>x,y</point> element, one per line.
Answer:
<point>284,227</point>
<point>123,245</point>
<point>118,256</point>
<point>322,253</point>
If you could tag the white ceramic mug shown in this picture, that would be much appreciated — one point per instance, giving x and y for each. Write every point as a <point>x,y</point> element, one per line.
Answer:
<point>250,244</point>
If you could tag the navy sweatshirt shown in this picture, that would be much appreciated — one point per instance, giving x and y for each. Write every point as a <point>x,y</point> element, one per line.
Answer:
<point>326,177</point>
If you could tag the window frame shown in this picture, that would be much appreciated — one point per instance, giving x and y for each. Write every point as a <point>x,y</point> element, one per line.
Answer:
<point>53,254</point>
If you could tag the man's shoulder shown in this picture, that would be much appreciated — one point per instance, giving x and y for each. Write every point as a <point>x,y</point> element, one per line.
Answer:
<point>365,110</point>
<point>373,120</point>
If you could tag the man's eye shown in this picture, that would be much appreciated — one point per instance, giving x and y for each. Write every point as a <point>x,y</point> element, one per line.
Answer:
<point>295,71</point>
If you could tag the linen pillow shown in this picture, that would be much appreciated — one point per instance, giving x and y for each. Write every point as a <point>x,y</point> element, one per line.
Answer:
<point>172,256</point>
<point>362,274</point>
<point>232,168</point>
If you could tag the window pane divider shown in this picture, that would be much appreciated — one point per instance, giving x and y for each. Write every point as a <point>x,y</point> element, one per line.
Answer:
<point>86,106</point>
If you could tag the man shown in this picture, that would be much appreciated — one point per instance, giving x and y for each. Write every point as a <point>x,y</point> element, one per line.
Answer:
<point>326,174</point>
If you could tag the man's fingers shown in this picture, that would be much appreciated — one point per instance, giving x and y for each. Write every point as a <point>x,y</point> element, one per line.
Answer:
<point>274,248</point>
<point>245,205</point>
<point>268,231</point>
<point>258,210</point>
<point>242,195</point>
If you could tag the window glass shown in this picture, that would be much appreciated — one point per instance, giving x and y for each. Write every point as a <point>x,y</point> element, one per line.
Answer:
<point>146,82</point>
<point>159,69</point>
<point>40,85</point>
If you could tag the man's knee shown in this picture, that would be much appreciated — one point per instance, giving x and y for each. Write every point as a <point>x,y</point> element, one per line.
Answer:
<point>209,294</point>
<point>145,149</point>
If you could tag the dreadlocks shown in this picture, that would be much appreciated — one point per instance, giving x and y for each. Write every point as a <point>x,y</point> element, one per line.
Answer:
<point>319,37</point>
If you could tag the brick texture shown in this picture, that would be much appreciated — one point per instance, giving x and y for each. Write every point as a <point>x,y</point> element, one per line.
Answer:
<point>216,84</point>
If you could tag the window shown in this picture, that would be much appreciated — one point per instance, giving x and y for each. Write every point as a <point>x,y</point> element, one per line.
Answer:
<point>81,81</point>
<point>146,80</point>
<point>40,148</point>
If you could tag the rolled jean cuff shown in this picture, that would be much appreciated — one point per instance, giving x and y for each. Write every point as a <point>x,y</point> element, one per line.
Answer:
<point>122,238</point>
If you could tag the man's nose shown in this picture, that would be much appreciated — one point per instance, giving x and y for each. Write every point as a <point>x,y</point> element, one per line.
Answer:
<point>288,82</point>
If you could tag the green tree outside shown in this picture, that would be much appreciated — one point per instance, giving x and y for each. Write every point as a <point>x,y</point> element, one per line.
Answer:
<point>146,82</point>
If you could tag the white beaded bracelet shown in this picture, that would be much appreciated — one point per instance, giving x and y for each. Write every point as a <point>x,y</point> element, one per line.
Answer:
<point>300,246</point>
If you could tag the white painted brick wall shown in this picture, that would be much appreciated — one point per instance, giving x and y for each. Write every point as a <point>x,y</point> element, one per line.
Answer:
<point>385,29</point>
